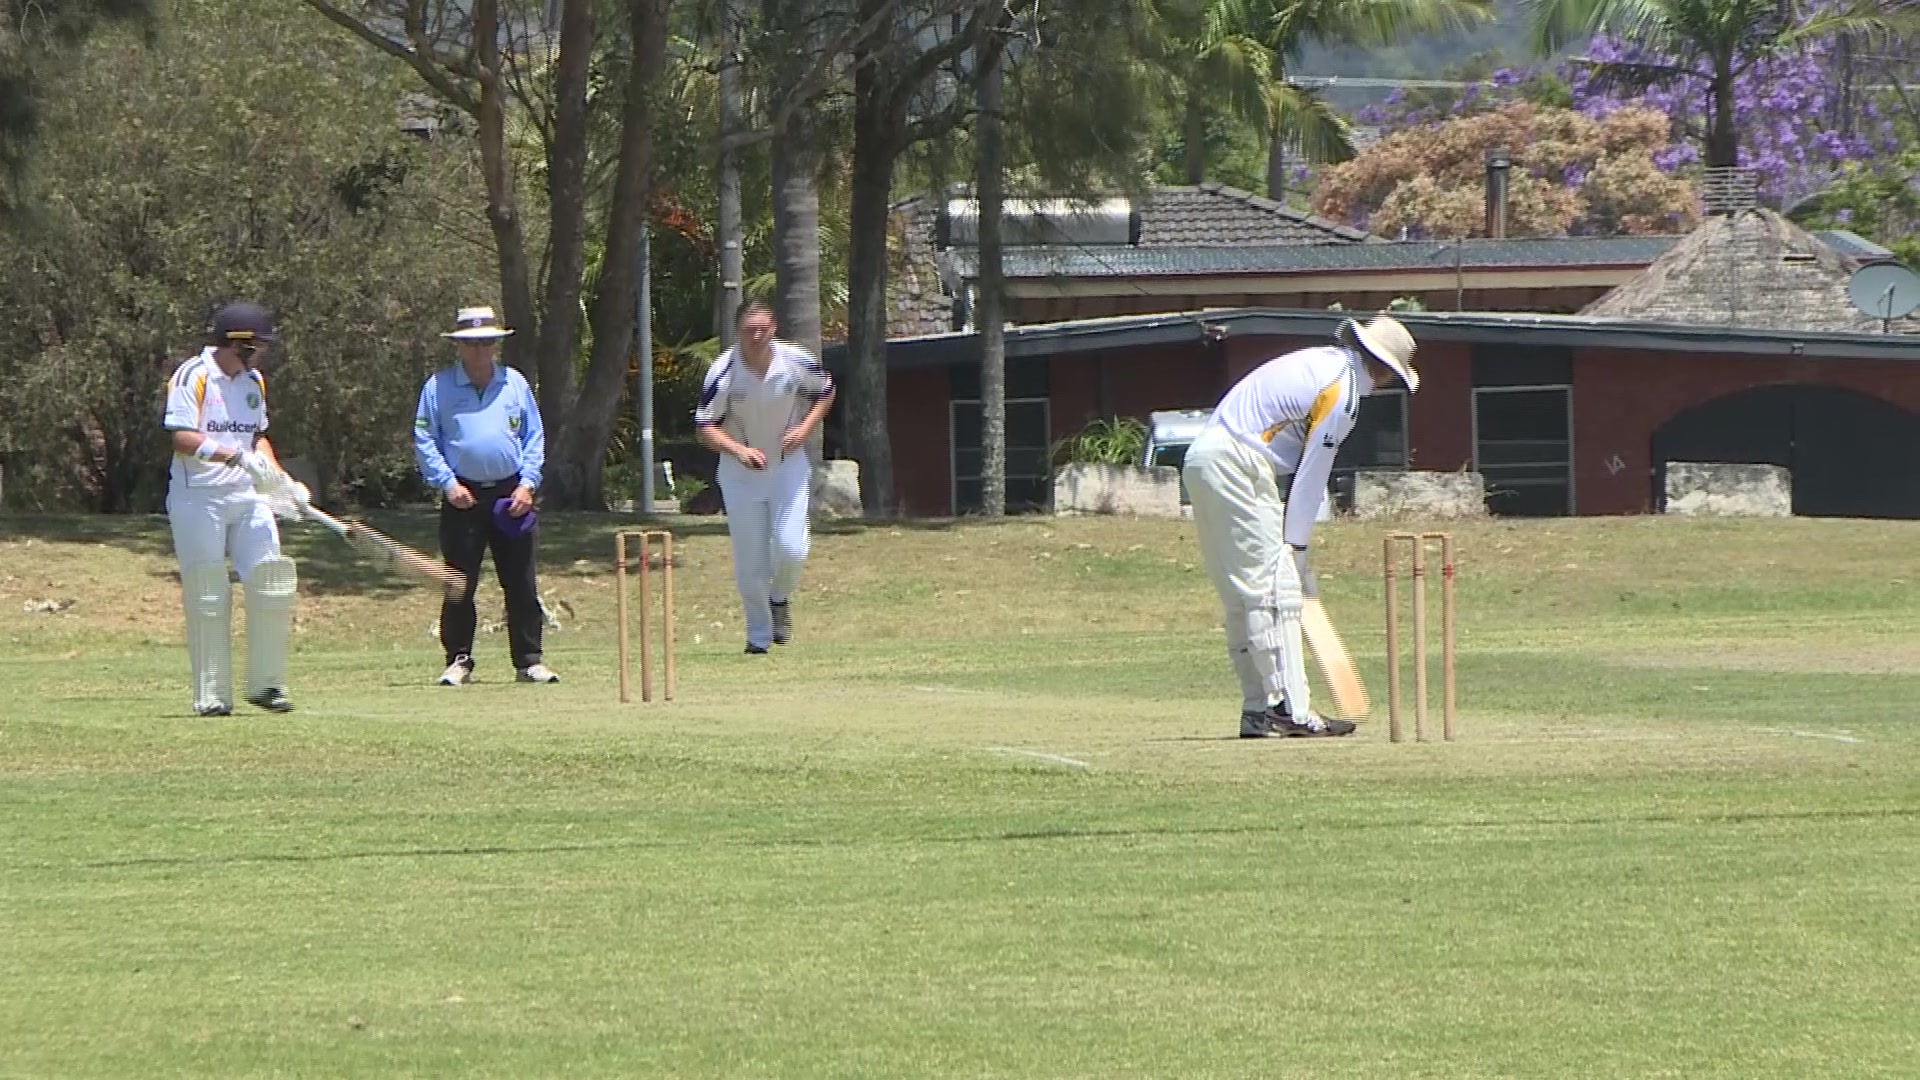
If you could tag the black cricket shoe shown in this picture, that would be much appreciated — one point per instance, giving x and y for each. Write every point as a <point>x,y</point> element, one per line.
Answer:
<point>1256,724</point>
<point>756,650</point>
<point>1314,726</point>
<point>272,699</point>
<point>782,621</point>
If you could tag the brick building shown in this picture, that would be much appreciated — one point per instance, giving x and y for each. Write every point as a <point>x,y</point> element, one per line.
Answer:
<point>1738,344</point>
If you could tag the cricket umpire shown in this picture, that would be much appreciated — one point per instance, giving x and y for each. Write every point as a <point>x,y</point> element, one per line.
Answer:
<point>478,440</point>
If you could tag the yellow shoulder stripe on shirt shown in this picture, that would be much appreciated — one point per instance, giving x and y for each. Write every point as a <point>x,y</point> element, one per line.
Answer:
<point>1323,403</point>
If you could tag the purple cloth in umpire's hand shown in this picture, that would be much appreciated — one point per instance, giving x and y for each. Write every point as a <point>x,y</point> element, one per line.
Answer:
<point>506,524</point>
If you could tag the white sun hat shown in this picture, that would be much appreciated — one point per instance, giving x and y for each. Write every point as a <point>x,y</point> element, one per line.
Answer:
<point>477,324</point>
<point>1386,341</point>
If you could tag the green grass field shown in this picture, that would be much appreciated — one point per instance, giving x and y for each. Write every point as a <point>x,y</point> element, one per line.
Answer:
<point>985,818</point>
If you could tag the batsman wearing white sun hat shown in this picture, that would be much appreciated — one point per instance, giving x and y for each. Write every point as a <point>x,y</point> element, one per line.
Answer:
<point>1256,475</point>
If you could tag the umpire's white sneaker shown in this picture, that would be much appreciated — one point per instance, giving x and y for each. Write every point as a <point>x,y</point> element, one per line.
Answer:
<point>537,673</point>
<point>458,673</point>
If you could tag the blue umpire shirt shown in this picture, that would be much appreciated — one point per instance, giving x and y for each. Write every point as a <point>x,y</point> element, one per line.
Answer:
<point>485,434</point>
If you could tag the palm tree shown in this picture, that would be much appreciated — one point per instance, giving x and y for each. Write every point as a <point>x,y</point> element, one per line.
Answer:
<point>1298,120</point>
<point>1229,55</point>
<point>1708,42</point>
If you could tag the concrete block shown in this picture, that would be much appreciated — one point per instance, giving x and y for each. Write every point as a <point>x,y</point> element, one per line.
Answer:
<point>1393,493</point>
<point>1138,490</point>
<point>836,490</point>
<point>1729,490</point>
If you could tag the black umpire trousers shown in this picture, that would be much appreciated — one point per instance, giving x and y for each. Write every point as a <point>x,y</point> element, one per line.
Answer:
<point>465,537</point>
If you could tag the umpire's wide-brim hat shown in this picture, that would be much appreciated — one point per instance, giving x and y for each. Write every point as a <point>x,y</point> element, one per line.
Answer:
<point>477,324</point>
<point>1387,341</point>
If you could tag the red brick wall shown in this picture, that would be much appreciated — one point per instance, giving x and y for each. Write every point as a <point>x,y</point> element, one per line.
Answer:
<point>1620,398</point>
<point>1139,381</point>
<point>918,417</point>
<point>1440,413</point>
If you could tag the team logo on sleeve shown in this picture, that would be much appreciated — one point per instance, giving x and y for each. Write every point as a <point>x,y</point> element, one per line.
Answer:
<point>421,423</point>
<point>513,423</point>
<point>253,399</point>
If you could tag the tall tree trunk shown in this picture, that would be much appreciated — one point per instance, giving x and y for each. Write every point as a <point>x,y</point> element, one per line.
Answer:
<point>1196,138</point>
<point>1723,138</point>
<point>1276,167</point>
<point>503,217</point>
<point>567,211</point>
<point>875,146</point>
<point>584,450</point>
<point>796,250</point>
<point>727,225</point>
<point>794,160</point>
<point>989,182</point>
<point>796,231</point>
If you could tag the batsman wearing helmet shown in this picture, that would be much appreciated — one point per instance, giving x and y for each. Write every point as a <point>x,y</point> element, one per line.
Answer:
<point>1277,431</point>
<point>222,478</point>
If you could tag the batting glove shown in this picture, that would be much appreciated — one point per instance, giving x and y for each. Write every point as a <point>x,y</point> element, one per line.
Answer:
<point>261,470</point>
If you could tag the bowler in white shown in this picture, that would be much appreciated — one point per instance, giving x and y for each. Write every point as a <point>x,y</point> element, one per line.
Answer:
<point>761,402</point>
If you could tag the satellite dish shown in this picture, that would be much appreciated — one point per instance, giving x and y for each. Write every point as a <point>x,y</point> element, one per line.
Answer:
<point>1885,291</point>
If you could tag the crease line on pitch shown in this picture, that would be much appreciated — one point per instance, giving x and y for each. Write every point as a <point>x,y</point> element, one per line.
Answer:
<point>1040,755</point>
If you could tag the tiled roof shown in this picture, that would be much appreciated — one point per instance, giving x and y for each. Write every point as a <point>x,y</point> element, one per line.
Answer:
<point>1203,216</point>
<point>1051,339</point>
<point>1753,270</point>
<point>917,300</point>
<point>1855,246</point>
<point>1212,215</point>
<point>1098,262</point>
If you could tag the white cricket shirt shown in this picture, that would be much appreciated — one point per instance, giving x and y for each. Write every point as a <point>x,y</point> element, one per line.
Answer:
<point>230,410</point>
<point>1297,409</point>
<point>757,410</point>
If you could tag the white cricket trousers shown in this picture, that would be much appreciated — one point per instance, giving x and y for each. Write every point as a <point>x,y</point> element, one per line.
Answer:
<point>767,524</point>
<point>1240,518</point>
<point>211,526</point>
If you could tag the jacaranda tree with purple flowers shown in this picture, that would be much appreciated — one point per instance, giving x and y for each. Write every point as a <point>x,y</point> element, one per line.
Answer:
<point>1702,49</point>
<point>1798,120</point>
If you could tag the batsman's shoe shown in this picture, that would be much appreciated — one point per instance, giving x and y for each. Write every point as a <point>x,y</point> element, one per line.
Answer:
<point>458,673</point>
<point>756,650</point>
<point>272,699</point>
<point>537,673</point>
<point>215,709</point>
<point>1256,725</point>
<point>1312,725</point>
<point>782,621</point>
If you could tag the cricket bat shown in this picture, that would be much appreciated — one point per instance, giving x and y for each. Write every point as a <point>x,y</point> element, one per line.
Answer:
<point>379,546</point>
<point>1349,695</point>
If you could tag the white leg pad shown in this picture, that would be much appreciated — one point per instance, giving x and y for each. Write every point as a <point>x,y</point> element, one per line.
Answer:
<point>1293,665</point>
<point>207,596</point>
<point>270,590</point>
<point>1284,662</point>
<point>1253,688</point>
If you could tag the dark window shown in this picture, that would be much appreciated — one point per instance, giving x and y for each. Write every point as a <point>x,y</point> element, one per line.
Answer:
<point>1029,479</point>
<point>1522,446</point>
<point>1378,441</point>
